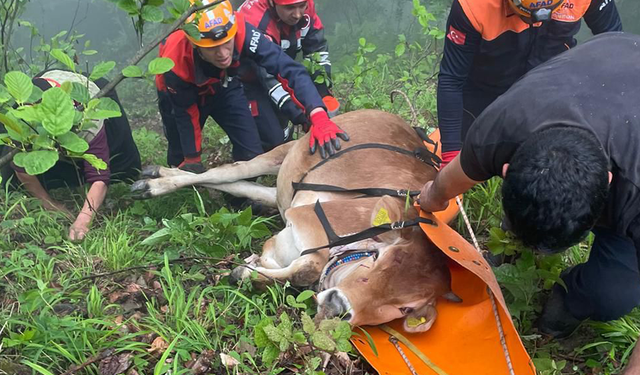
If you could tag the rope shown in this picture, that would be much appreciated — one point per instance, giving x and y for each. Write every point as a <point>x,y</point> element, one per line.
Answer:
<point>397,336</point>
<point>503,341</point>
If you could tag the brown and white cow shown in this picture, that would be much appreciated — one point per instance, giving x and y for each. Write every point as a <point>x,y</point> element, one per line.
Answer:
<point>396,274</point>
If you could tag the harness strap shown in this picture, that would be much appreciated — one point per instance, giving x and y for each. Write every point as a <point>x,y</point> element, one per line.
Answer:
<point>335,240</point>
<point>375,192</point>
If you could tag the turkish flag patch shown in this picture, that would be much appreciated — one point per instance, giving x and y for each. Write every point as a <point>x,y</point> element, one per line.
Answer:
<point>456,36</point>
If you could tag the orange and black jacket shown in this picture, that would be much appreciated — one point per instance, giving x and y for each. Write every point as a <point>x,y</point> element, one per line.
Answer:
<point>192,79</point>
<point>307,36</point>
<point>488,47</point>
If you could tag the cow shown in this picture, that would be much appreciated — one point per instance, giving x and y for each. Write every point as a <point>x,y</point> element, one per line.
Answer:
<point>331,208</point>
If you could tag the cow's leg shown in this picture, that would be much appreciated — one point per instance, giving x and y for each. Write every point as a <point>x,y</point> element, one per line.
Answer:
<point>245,189</point>
<point>265,164</point>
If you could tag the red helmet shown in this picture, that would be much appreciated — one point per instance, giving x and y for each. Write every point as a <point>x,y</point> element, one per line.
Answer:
<point>288,2</point>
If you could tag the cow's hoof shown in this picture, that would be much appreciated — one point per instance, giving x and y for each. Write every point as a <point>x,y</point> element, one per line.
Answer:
<point>140,190</point>
<point>238,274</point>
<point>151,171</point>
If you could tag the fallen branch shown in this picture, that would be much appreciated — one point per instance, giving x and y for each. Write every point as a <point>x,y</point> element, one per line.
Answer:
<point>134,61</point>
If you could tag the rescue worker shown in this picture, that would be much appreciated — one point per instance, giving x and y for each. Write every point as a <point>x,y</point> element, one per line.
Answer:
<point>201,84</point>
<point>295,26</point>
<point>566,140</point>
<point>111,141</point>
<point>491,43</point>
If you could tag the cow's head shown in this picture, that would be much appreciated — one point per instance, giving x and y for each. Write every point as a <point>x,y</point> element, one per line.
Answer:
<point>404,280</point>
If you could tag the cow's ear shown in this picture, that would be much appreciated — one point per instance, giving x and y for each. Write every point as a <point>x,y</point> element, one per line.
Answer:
<point>390,210</point>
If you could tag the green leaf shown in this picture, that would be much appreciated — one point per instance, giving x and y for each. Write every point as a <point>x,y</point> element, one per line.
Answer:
<point>307,324</point>
<point>132,71</point>
<point>56,111</point>
<point>16,130</point>
<point>36,95</point>
<point>305,295</point>
<point>181,5</point>
<point>79,93</point>
<point>61,56</point>
<point>259,336</point>
<point>156,3</point>
<point>362,42</point>
<point>4,95</point>
<point>19,86</point>
<point>315,362</point>
<point>42,141</point>
<point>41,370</point>
<point>323,341</point>
<point>89,52</point>
<point>329,324</point>
<point>160,65</point>
<point>342,331</point>
<point>273,334</point>
<point>285,326</point>
<point>158,237</point>
<point>152,14</point>
<point>73,143</point>
<point>105,108</point>
<point>95,162</point>
<point>400,49</point>
<point>102,69</point>
<point>192,31</point>
<point>343,345</point>
<point>128,6</point>
<point>291,301</point>
<point>36,162</point>
<point>270,354</point>
<point>299,337</point>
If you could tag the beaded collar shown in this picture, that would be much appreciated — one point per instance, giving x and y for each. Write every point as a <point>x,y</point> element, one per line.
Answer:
<point>347,258</point>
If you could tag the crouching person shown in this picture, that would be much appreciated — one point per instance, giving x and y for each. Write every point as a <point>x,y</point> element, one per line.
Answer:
<point>201,84</point>
<point>110,140</point>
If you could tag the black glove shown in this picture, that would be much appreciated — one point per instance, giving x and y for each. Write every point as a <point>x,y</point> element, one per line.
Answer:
<point>294,113</point>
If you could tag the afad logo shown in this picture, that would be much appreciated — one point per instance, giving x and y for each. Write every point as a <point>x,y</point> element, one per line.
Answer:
<point>213,23</point>
<point>541,4</point>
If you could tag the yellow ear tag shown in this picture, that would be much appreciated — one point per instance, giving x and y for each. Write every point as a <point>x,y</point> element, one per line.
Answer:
<point>382,217</point>
<point>414,322</point>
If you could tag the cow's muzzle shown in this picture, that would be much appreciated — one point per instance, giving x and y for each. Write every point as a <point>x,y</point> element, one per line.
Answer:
<point>333,303</point>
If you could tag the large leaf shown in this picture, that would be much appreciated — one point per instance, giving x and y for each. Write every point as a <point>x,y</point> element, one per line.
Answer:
<point>128,6</point>
<point>19,86</point>
<point>132,71</point>
<point>56,111</point>
<point>61,56</point>
<point>106,108</point>
<point>158,237</point>
<point>156,3</point>
<point>4,95</point>
<point>80,93</point>
<point>36,162</point>
<point>73,143</point>
<point>160,65</point>
<point>181,5</point>
<point>16,130</point>
<point>152,14</point>
<point>95,162</point>
<point>26,113</point>
<point>192,30</point>
<point>36,95</point>
<point>102,69</point>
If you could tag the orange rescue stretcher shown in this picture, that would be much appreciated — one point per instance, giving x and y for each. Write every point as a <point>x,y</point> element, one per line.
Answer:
<point>474,337</point>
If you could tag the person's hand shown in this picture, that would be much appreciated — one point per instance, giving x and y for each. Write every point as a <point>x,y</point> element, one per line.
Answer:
<point>427,201</point>
<point>80,227</point>
<point>295,114</point>
<point>193,165</point>
<point>447,157</point>
<point>324,134</point>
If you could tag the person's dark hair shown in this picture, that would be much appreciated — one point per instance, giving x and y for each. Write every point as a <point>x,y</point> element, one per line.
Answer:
<point>555,189</point>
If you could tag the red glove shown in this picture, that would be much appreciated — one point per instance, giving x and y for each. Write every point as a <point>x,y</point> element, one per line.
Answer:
<point>325,133</point>
<point>447,157</point>
<point>332,104</point>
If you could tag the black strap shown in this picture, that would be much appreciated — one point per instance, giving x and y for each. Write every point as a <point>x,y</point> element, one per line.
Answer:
<point>375,192</point>
<point>335,240</point>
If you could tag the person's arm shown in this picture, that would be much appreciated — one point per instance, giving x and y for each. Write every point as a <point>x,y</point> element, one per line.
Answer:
<point>280,97</point>
<point>93,201</point>
<point>633,367</point>
<point>449,183</point>
<point>324,133</point>
<point>460,47</point>
<point>35,188</point>
<point>602,16</point>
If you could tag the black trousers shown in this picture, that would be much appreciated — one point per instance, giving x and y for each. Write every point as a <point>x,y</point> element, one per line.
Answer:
<point>270,121</point>
<point>607,286</point>
<point>229,108</point>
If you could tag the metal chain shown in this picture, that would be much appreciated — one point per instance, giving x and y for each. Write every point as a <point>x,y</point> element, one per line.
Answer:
<point>394,341</point>
<point>503,341</point>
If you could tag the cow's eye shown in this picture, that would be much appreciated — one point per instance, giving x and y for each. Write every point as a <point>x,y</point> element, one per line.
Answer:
<point>406,310</point>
